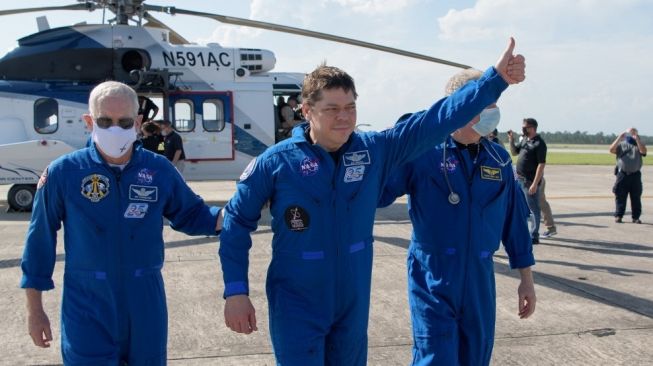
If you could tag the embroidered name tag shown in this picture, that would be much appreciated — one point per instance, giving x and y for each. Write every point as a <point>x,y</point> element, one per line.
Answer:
<point>490,173</point>
<point>143,193</point>
<point>356,158</point>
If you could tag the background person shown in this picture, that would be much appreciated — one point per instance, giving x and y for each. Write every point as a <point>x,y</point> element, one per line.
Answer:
<point>110,198</point>
<point>147,108</point>
<point>547,215</point>
<point>173,146</point>
<point>323,185</point>
<point>530,168</point>
<point>463,201</point>
<point>629,149</point>
<point>151,136</point>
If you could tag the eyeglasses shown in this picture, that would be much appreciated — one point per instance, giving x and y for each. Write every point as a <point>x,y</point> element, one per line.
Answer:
<point>106,122</point>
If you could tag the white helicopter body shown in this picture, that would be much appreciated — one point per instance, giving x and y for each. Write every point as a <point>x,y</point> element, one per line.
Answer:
<point>220,100</point>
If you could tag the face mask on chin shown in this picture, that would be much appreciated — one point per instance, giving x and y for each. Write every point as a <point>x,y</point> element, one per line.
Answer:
<point>489,120</point>
<point>114,141</point>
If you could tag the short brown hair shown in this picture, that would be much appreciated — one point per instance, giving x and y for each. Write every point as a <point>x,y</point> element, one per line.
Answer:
<point>325,77</point>
<point>531,122</point>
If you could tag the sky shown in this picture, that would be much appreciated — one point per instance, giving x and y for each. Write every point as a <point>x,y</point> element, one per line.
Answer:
<point>589,62</point>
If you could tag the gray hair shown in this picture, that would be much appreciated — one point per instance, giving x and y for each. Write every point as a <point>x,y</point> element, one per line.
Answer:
<point>111,89</point>
<point>460,79</point>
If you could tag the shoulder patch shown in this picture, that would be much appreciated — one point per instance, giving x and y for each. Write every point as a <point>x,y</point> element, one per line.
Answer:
<point>43,179</point>
<point>248,170</point>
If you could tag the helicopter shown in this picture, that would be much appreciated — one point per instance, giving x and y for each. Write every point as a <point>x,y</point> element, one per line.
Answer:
<point>219,99</point>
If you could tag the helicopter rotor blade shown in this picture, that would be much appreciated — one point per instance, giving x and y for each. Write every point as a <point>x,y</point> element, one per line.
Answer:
<point>302,32</point>
<point>174,37</point>
<point>84,6</point>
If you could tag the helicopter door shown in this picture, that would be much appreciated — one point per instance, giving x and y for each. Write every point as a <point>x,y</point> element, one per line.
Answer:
<point>204,120</point>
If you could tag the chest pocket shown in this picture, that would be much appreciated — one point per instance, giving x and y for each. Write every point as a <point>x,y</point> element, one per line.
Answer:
<point>489,183</point>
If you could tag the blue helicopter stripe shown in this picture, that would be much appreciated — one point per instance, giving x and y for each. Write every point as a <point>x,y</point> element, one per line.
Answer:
<point>72,93</point>
<point>55,39</point>
<point>247,143</point>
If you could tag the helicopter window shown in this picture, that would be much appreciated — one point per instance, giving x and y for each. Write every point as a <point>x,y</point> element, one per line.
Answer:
<point>243,57</point>
<point>184,115</point>
<point>213,115</point>
<point>46,115</point>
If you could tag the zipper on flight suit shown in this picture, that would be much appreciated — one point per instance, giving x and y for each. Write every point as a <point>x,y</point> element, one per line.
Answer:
<point>469,179</point>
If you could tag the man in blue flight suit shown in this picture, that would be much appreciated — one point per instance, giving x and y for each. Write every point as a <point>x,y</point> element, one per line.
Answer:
<point>463,200</point>
<point>323,185</point>
<point>111,198</point>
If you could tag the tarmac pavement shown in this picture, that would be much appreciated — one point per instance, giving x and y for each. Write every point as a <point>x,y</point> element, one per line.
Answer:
<point>594,283</point>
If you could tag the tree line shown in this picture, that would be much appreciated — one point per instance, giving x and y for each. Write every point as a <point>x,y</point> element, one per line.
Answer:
<point>578,137</point>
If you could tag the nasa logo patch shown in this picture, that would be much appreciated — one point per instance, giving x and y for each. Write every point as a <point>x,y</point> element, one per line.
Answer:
<point>95,187</point>
<point>145,176</point>
<point>297,219</point>
<point>309,166</point>
<point>450,165</point>
<point>354,173</point>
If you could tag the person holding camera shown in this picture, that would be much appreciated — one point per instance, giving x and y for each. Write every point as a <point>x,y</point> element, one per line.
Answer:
<point>530,168</point>
<point>629,149</point>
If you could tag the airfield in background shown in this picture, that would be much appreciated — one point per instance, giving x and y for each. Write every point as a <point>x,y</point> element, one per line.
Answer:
<point>593,282</point>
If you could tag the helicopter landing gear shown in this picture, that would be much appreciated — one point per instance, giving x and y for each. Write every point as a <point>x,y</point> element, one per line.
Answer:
<point>21,197</point>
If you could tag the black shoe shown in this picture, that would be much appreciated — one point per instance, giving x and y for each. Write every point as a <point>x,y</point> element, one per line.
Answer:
<point>536,241</point>
<point>637,221</point>
<point>618,220</point>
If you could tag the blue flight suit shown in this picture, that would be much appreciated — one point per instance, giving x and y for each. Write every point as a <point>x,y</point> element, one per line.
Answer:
<point>318,282</point>
<point>114,306</point>
<point>450,268</point>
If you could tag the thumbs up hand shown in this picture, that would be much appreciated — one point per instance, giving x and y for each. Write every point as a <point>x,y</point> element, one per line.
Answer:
<point>511,68</point>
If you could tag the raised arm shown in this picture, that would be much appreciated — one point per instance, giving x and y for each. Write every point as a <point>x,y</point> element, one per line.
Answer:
<point>426,129</point>
<point>638,141</point>
<point>615,143</point>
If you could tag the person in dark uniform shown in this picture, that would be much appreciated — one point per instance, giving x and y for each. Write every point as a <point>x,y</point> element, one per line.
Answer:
<point>530,168</point>
<point>629,150</point>
<point>147,108</point>
<point>173,146</point>
<point>151,136</point>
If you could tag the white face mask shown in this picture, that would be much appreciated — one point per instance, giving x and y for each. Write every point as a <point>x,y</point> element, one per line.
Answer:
<point>114,141</point>
<point>489,121</point>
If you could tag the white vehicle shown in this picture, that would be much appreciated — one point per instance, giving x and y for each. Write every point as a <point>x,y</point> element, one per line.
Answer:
<point>220,100</point>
